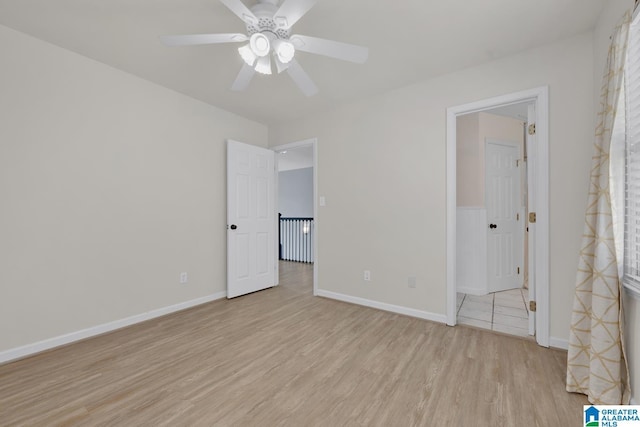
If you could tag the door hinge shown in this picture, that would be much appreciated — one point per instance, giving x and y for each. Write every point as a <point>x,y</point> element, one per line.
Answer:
<point>533,307</point>
<point>518,270</point>
<point>532,217</point>
<point>517,217</point>
<point>517,163</point>
<point>532,129</point>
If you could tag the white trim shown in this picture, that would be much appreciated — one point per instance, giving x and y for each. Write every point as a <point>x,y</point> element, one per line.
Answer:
<point>315,217</point>
<point>542,249</point>
<point>541,97</point>
<point>305,143</point>
<point>276,202</point>
<point>297,144</point>
<point>562,344</point>
<point>439,318</point>
<point>48,344</point>
<point>452,115</point>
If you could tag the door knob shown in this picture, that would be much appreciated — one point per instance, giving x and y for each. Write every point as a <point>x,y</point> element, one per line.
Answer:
<point>492,226</point>
<point>233,226</point>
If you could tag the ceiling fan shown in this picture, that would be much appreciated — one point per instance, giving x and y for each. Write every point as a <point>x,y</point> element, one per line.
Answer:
<point>270,42</point>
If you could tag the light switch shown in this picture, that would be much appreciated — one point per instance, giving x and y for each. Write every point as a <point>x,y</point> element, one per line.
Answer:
<point>323,201</point>
<point>412,281</point>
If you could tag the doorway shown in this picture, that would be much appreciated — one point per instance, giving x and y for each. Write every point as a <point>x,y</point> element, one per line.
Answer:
<point>491,220</point>
<point>470,235</point>
<point>296,204</point>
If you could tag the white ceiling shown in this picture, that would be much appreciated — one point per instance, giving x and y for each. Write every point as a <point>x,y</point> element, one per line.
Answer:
<point>409,41</point>
<point>515,111</point>
<point>295,158</point>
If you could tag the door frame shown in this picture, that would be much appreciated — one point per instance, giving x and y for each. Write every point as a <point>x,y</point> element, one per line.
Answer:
<point>313,142</point>
<point>520,228</point>
<point>539,246</point>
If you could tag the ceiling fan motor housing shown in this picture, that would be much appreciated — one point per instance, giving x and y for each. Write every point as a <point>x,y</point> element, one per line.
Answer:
<point>265,11</point>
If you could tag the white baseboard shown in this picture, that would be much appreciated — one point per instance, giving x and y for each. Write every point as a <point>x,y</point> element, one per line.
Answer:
<point>440,318</point>
<point>48,344</point>
<point>559,343</point>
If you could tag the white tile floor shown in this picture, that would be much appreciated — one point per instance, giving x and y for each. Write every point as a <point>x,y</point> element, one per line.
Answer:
<point>501,311</point>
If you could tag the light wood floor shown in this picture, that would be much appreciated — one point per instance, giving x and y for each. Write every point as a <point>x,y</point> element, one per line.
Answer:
<point>283,357</point>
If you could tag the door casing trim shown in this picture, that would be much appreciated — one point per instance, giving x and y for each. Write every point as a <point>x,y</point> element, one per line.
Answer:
<point>540,96</point>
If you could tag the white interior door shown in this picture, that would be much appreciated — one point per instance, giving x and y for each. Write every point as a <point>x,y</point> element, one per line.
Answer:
<point>531,198</point>
<point>505,236</point>
<point>251,221</point>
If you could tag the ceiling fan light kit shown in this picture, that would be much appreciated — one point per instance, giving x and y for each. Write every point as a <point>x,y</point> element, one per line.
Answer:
<point>269,33</point>
<point>285,50</point>
<point>260,44</point>
<point>264,65</point>
<point>247,55</point>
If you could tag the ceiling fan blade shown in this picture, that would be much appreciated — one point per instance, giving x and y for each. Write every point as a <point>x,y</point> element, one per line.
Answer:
<point>333,49</point>
<point>197,39</point>
<point>243,79</point>
<point>241,11</point>
<point>302,79</point>
<point>291,11</point>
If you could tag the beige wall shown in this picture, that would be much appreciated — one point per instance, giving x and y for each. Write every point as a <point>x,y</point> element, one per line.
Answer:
<point>110,186</point>
<point>382,171</point>
<point>469,162</point>
<point>472,131</point>
<point>610,16</point>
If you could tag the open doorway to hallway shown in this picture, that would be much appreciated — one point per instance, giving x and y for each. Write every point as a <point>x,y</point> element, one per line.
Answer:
<point>296,216</point>
<point>492,219</point>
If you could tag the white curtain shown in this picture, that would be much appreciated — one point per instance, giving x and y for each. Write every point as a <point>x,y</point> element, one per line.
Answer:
<point>596,363</point>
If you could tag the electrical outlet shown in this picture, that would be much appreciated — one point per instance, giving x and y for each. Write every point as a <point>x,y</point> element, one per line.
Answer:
<point>184,278</point>
<point>412,282</point>
<point>367,276</point>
